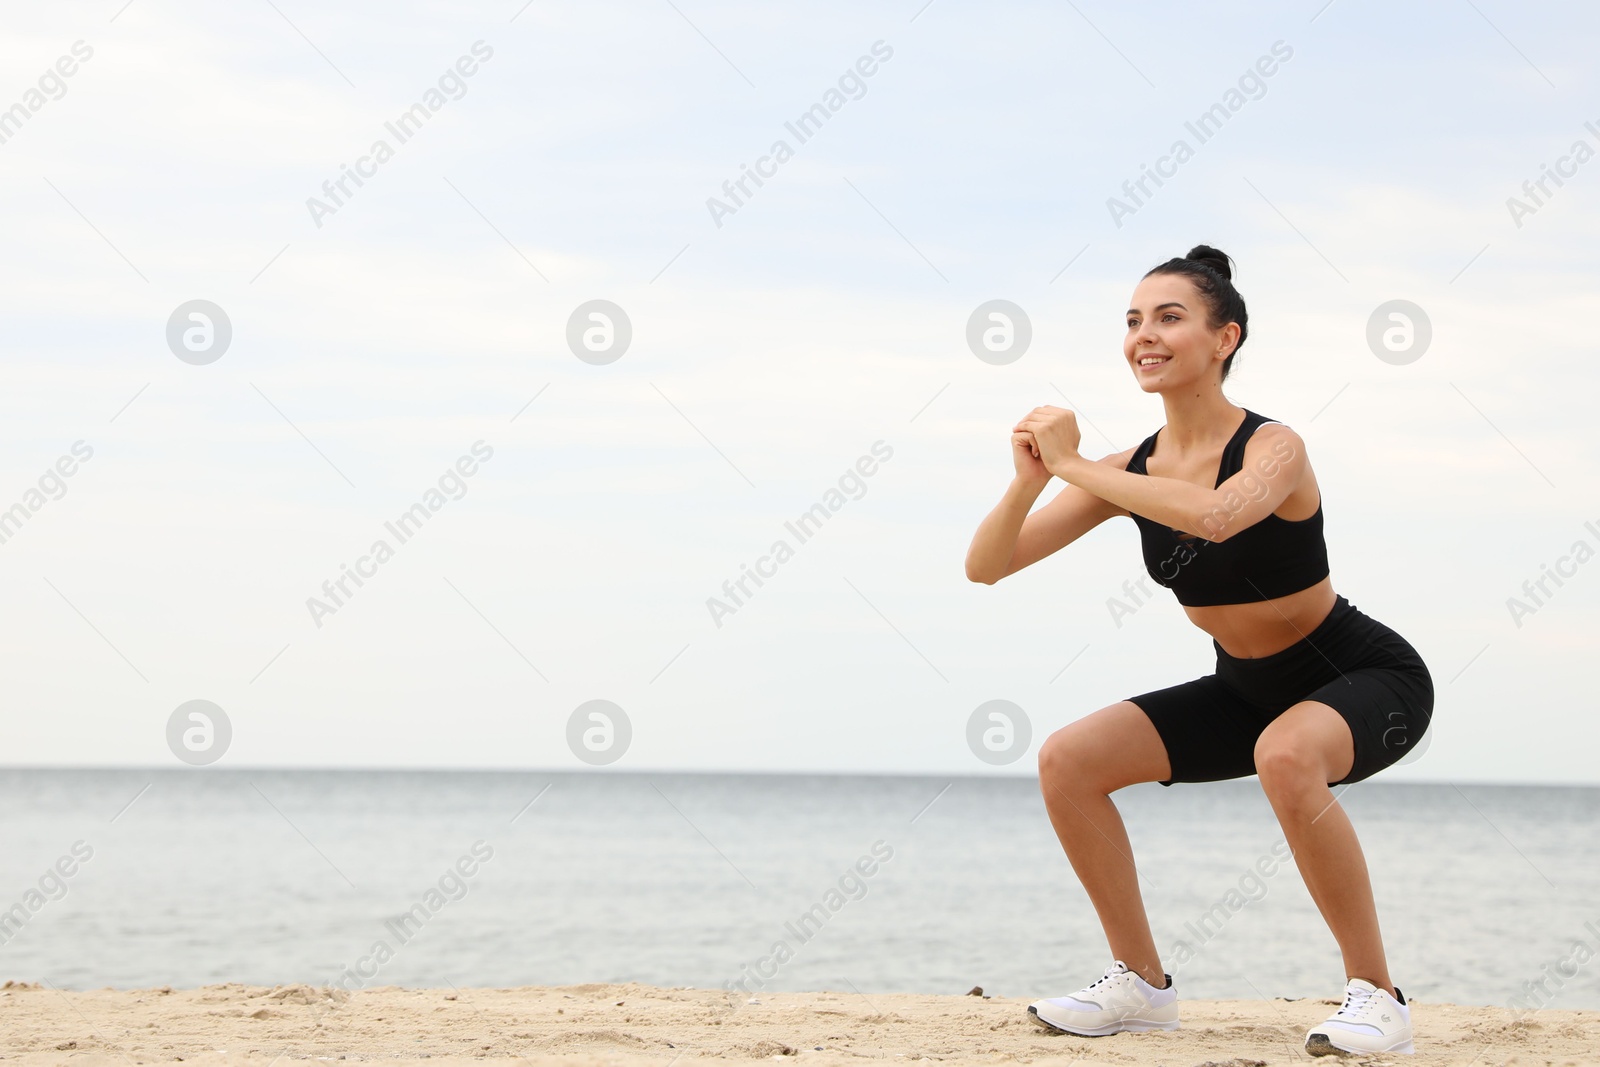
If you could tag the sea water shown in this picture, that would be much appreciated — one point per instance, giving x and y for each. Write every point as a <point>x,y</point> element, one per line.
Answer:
<point>137,878</point>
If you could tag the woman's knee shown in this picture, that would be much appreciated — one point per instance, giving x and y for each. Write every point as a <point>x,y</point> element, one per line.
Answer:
<point>1284,762</point>
<point>1061,756</point>
<point>1305,748</point>
<point>1103,752</point>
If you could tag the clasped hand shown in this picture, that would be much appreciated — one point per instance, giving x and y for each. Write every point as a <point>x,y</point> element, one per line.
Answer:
<point>1052,435</point>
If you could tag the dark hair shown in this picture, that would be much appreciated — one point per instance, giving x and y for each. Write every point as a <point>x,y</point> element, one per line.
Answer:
<point>1211,271</point>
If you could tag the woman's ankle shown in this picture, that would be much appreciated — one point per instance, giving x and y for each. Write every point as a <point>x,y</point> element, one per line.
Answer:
<point>1154,976</point>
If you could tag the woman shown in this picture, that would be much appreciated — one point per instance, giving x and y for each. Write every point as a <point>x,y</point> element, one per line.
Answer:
<point>1309,691</point>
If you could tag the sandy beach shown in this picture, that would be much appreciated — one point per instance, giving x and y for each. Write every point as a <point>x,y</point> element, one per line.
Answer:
<point>631,1024</point>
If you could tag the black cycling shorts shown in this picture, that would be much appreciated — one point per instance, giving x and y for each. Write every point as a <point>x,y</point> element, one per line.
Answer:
<point>1351,662</point>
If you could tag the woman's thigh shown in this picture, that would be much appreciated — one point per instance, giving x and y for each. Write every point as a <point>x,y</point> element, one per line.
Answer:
<point>1387,711</point>
<point>1207,728</point>
<point>1105,750</point>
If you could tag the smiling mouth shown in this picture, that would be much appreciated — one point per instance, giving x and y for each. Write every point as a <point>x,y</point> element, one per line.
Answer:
<point>1153,361</point>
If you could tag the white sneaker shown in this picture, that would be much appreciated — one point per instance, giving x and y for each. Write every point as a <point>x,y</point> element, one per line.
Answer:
<point>1118,1000</point>
<point>1370,1021</point>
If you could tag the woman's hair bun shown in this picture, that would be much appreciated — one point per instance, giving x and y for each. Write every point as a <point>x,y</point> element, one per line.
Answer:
<point>1214,258</point>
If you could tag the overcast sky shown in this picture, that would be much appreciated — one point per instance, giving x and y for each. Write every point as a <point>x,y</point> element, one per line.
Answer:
<point>558,154</point>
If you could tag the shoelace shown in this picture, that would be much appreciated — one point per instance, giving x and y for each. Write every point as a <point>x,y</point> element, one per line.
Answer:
<point>1358,1002</point>
<point>1111,972</point>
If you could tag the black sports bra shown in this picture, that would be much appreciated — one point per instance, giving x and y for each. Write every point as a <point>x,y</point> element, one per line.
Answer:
<point>1267,559</point>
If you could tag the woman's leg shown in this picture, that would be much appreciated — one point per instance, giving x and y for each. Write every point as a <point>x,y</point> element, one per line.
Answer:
<point>1079,766</point>
<point>1297,755</point>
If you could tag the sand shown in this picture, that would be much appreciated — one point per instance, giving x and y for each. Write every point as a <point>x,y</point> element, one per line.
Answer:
<point>633,1025</point>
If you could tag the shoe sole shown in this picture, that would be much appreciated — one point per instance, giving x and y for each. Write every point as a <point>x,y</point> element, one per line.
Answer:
<point>1134,1026</point>
<point>1321,1045</point>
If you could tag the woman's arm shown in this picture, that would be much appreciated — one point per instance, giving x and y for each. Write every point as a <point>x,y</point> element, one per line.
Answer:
<point>989,555</point>
<point>1010,539</point>
<point>1274,463</point>
<point>1169,501</point>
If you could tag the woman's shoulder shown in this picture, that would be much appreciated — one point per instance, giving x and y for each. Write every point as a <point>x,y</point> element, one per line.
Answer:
<point>1258,425</point>
<point>1120,460</point>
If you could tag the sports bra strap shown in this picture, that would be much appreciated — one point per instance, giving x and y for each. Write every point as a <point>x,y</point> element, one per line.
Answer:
<point>1232,453</point>
<point>1136,462</point>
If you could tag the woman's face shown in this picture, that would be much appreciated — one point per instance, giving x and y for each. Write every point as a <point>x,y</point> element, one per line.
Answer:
<point>1167,318</point>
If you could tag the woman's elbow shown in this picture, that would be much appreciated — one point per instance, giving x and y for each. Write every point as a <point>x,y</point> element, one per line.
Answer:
<point>991,574</point>
<point>982,577</point>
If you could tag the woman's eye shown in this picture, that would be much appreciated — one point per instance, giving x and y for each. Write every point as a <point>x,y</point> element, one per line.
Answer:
<point>1170,315</point>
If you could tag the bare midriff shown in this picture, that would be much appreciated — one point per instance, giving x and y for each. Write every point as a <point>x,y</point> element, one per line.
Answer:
<point>1250,631</point>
